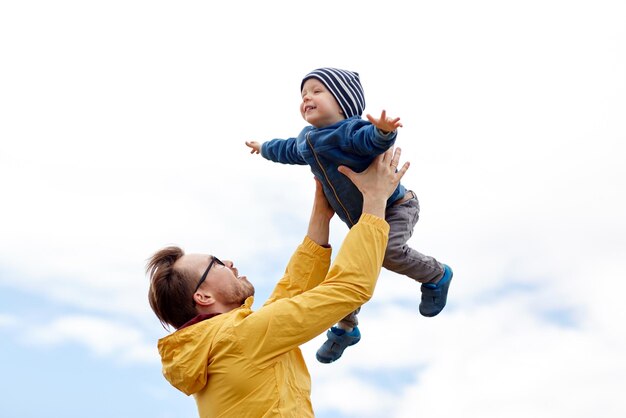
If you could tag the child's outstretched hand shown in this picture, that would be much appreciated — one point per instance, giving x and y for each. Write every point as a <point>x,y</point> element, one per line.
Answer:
<point>385,124</point>
<point>256,147</point>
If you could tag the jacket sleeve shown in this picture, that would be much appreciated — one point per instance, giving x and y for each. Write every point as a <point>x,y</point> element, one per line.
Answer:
<point>284,151</point>
<point>306,269</point>
<point>287,323</point>
<point>363,138</point>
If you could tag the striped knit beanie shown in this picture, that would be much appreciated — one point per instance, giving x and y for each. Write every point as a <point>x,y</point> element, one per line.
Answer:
<point>344,85</point>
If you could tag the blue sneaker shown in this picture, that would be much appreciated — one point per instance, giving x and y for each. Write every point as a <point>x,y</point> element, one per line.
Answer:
<point>338,340</point>
<point>434,295</point>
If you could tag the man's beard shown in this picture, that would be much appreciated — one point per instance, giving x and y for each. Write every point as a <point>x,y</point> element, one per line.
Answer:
<point>241,292</point>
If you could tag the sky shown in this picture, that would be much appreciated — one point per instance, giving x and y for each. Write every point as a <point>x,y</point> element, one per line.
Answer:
<point>122,129</point>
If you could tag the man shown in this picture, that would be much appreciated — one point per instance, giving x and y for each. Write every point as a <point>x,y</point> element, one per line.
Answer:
<point>240,363</point>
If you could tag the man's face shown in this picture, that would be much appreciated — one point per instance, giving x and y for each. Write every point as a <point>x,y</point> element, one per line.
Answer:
<point>319,107</point>
<point>222,279</point>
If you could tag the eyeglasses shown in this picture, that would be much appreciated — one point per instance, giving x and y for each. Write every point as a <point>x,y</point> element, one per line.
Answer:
<point>203,278</point>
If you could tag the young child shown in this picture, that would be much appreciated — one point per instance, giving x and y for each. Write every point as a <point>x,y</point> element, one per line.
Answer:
<point>332,103</point>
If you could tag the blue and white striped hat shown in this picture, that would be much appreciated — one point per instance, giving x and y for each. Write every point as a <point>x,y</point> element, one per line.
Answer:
<point>344,85</point>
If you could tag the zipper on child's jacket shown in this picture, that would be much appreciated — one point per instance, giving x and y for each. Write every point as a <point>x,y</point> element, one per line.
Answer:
<point>328,180</point>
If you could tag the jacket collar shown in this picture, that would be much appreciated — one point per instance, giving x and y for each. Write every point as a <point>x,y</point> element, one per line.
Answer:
<point>198,318</point>
<point>203,317</point>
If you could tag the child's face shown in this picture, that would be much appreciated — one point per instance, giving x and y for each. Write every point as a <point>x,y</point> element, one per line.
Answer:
<point>319,107</point>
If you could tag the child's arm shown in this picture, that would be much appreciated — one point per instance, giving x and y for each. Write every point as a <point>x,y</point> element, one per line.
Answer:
<point>384,124</point>
<point>374,138</point>
<point>284,151</point>
<point>256,147</point>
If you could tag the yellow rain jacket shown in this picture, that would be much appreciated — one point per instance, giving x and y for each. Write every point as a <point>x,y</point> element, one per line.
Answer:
<point>249,364</point>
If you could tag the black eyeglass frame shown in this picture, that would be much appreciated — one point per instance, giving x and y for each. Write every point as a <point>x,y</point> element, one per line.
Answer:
<point>203,278</point>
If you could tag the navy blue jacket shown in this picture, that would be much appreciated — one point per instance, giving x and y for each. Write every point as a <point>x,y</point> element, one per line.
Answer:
<point>353,142</point>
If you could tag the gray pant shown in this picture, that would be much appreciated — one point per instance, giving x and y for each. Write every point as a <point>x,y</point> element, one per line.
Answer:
<point>399,257</point>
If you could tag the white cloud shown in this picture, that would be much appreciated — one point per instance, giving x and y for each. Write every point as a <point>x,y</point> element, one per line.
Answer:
<point>104,338</point>
<point>7,320</point>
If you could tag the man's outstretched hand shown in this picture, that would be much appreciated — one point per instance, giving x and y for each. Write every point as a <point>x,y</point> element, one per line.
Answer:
<point>378,181</point>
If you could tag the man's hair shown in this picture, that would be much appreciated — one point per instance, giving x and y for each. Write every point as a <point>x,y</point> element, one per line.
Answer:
<point>171,289</point>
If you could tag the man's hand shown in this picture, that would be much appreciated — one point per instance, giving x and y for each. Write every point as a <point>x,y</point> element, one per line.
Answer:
<point>256,147</point>
<point>378,181</point>
<point>385,124</point>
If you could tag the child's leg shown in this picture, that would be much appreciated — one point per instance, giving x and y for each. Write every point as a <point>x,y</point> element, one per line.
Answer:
<point>349,322</point>
<point>401,258</point>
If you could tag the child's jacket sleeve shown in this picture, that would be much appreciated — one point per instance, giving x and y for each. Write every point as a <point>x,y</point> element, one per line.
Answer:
<point>284,151</point>
<point>363,138</point>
